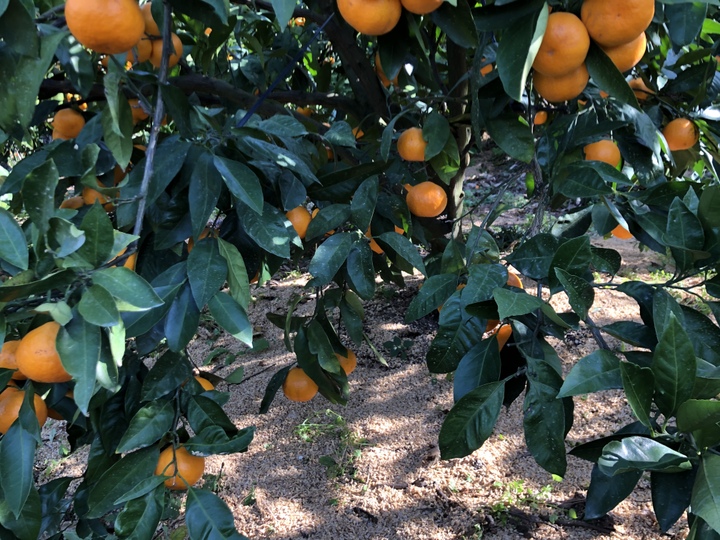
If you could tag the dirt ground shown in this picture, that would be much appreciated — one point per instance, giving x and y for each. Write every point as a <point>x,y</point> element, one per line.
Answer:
<point>371,470</point>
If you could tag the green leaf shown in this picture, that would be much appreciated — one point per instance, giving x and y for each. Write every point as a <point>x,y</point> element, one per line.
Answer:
<point>513,303</point>
<point>97,306</point>
<point>363,203</point>
<point>140,517</point>
<point>581,294</point>
<point>38,189</point>
<point>641,453</point>
<point>705,501</point>
<point>329,257</point>
<point>702,419</point>
<point>512,136</point>
<point>13,246</point>
<point>169,372</point>
<point>664,305</point>
<point>684,21</point>
<point>586,179</point>
<point>98,236</point>
<point>674,367</point>
<point>606,492</point>
<point>269,230</point>
<point>51,501</point>
<point>17,26</point>
<point>148,425</point>
<point>435,291</point>
<point>574,256</point>
<point>64,239</point>
<point>436,131</point>
<point>126,285</point>
<point>517,50</point>
<point>237,273</point>
<point>214,440</point>
<point>231,316</point>
<point>471,421</point>
<point>122,476</point>
<point>79,344</point>
<point>208,517</point>
<point>671,494</point>
<point>639,385</point>
<point>607,77</point>
<point>27,526</point>
<point>598,371</point>
<point>242,182</point>
<point>117,126</point>
<point>182,319</point>
<point>479,366</point>
<point>206,270</point>
<point>17,456</point>
<point>361,273</point>
<point>404,248</point>
<point>534,257</point>
<point>327,219</point>
<point>203,412</point>
<point>275,383</point>
<point>458,332</point>
<point>204,191</point>
<point>457,22</point>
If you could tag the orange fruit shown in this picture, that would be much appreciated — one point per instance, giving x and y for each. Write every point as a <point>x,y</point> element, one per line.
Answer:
<point>157,47</point>
<point>207,385</point>
<point>208,31</point>
<point>564,46</point>
<point>138,113</point>
<point>105,26</point>
<point>358,132</point>
<point>374,246</point>
<point>183,468</point>
<point>90,195</point>
<point>10,402</point>
<point>315,213</point>
<point>621,232</point>
<point>131,261</point>
<point>486,69</point>
<point>614,22</point>
<point>503,334</point>
<point>305,111</point>
<point>8,360</point>
<point>73,202</point>
<point>207,231</point>
<point>142,50</point>
<point>300,219</point>
<point>371,17</point>
<point>426,199</point>
<point>151,27</point>
<point>348,363</point>
<point>411,145</point>
<point>67,124</point>
<point>680,134</point>
<point>540,118</point>
<point>37,356</point>
<point>640,89</point>
<point>605,151</point>
<point>421,7</point>
<point>52,413</point>
<point>298,386</point>
<point>399,230</point>
<point>562,88</point>
<point>627,55</point>
<point>381,74</point>
<point>513,280</point>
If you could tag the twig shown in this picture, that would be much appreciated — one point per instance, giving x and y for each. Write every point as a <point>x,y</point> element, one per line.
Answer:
<point>596,333</point>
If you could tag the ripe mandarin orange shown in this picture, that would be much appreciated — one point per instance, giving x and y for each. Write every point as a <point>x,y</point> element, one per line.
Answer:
<point>300,219</point>
<point>421,7</point>
<point>621,232</point>
<point>614,22</point>
<point>640,89</point>
<point>8,360</point>
<point>562,88</point>
<point>564,46</point>
<point>348,363</point>
<point>140,52</point>
<point>90,195</point>
<point>181,466</point>
<point>605,151</point>
<point>175,54</point>
<point>503,334</point>
<point>37,356</point>
<point>627,55</point>
<point>298,386</point>
<point>426,199</point>
<point>67,124</point>
<point>374,246</point>
<point>680,134</point>
<point>207,385</point>
<point>73,202</point>
<point>513,280</point>
<point>138,113</point>
<point>151,27</point>
<point>381,74</point>
<point>305,111</point>
<point>105,26</point>
<point>10,402</point>
<point>411,145</point>
<point>540,118</point>
<point>371,17</point>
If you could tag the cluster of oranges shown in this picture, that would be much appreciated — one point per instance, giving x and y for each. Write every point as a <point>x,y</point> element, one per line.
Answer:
<point>378,17</point>
<point>298,386</point>
<point>617,26</point>
<point>119,26</point>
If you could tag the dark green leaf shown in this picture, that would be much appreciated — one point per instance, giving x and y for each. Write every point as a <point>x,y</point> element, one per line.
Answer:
<point>702,419</point>
<point>269,230</point>
<point>435,291</point>
<point>51,501</point>
<point>38,189</point>
<point>663,306</point>
<point>674,367</point>
<point>169,372</point>
<point>606,492</point>
<point>363,203</point>
<point>329,257</point>
<point>705,501</point>
<point>458,332</point>
<point>586,179</point>
<point>639,384</point>
<point>328,219</point>
<point>580,293</point>
<point>203,412</point>
<point>598,371</point>
<point>534,257</point>
<point>242,182</point>
<point>512,136</point>
<point>684,21</point>
<point>79,344</point>
<point>607,77</point>
<point>140,517</point>
<point>204,191</point>
<point>206,270</point>
<point>436,131</point>
<point>17,456</point>
<point>27,525</point>
<point>641,453</point>
<point>404,248</point>
<point>671,495</point>
<point>126,285</point>
<point>272,388</point>
<point>13,247</point>
<point>361,272</point>
<point>457,22</point>
<point>215,440</point>
<point>148,425</point>
<point>237,273</point>
<point>97,306</point>
<point>471,421</point>
<point>479,366</point>
<point>208,517</point>
<point>182,319</point>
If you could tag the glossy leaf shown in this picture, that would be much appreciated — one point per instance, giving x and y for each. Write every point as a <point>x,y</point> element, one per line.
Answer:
<point>435,291</point>
<point>79,344</point>
<point>13,247</point>
<point>580,293</point>
<point>534,257</point>
<point>204,191</point>
<point>702,419</point>
<point>169,372</point>
<point>641,453</point>
<point>674,367</point>
<point>598,371</point>
<point>17,457</point>
<point>705,501</point>
<point>182,319</point>
<point>148,425</point>
<point>329,257</point>
<point>361,273</point>
<point>231,316</point>
<point>207,271</point>
<point>37,189</point>
<point>242,182</point>
<point>208,517</point>
<point>479,366</point>
<point>671,495</point>
<point>97,306</point>
<point>140,517</point>
<point>471,421</point>
<point>638,383</point>
<point>362,206</point>
<point>126,285</point>
<point>404,249</point>
<point>237,273</point>
<point>606,492</point>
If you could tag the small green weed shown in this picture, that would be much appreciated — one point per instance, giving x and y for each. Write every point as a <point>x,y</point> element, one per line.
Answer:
<point>398,347</point>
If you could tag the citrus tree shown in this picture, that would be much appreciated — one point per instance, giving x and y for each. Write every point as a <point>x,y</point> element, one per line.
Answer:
<point>161,158</point>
